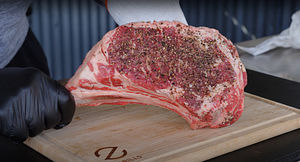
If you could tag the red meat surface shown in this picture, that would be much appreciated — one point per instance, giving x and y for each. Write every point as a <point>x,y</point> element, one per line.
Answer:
<point>193,71</point>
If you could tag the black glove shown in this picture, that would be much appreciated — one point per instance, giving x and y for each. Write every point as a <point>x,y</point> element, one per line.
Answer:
<point>31,102</point>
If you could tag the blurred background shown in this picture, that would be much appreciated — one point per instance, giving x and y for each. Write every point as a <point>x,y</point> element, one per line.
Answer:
<point>68,29</point>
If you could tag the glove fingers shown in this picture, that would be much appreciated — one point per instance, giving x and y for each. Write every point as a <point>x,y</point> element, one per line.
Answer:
<point>50,99</point>
<point>52,118</point>
<point>19,131</point>
<point>36,127</point>
<point>59,105</point>
<point>66,105</point>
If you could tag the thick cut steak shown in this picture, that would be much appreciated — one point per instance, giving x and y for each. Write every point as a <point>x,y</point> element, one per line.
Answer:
<point>193,71</point>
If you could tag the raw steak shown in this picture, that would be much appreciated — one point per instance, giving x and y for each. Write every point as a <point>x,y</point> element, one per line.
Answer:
<point>193,71</point>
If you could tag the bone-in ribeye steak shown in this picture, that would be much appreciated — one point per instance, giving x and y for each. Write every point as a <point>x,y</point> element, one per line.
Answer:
<point>193,71</point>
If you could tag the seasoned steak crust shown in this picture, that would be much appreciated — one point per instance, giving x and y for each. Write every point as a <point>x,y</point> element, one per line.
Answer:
<point>193,71</point>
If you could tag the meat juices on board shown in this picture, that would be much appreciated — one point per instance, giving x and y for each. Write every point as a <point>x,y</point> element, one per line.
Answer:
<point>193,71</point>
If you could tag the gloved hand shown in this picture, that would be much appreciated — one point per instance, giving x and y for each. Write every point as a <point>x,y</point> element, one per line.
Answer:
<point>31,102</point>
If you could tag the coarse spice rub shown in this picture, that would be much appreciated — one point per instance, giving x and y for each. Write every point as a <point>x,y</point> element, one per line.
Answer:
<point>193,71</point>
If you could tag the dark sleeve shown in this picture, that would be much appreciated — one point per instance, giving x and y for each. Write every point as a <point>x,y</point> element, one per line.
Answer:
<point>30,54</point>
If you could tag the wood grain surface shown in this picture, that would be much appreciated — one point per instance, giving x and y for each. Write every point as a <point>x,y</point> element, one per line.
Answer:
<point>150,133</point>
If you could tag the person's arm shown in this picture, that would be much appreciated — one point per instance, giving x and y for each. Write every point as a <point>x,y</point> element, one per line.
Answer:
<point>31,102</point>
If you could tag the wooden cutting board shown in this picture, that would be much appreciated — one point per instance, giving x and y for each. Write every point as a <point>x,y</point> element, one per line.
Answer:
<point>149,133</point>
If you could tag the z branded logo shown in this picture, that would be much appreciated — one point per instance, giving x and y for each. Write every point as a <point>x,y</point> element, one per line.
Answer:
<point>109,156</point>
